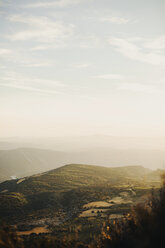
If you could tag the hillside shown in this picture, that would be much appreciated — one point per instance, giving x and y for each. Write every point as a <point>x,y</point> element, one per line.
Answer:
<point>76,175</point>
<point>53,187</point>
<point>28,161</point>
<point>74,197</point>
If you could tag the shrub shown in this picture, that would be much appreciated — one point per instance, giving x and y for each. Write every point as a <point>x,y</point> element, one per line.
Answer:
<point>143,227</point>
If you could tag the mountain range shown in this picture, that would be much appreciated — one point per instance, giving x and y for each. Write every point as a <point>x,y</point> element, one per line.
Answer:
<point>21,162</point>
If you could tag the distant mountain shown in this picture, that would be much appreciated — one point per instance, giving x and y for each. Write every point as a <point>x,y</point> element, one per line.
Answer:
<point>97,149</point>
<point>80,143</point>
<point>28,161</point>
<point>23,162</point>
<point>120,157</point>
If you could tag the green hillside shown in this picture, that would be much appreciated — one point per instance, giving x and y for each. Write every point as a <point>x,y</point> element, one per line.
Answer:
<point>81,182</point>
<point>74,176</point>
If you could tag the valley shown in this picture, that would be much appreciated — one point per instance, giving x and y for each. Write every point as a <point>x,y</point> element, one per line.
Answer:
<point>74,201</point>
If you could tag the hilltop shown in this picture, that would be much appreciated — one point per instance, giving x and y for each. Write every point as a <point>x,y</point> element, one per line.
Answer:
<point>77,175</point>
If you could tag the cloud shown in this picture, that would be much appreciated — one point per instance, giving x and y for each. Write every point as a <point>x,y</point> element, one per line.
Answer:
<point>139,87</point>
<point>4,3</point>
<point>4,51</point>
<point>37,64</point>
<point>3,67</point>
<point>130,49</point>
<point>23,58</point>
<point>108,16</point>
<point>41,29</point>
<point>82,66</point>
<point>13,80</point>
<point>89,41</point>
<point>110,76</point>
<point>47,33</point>
<point>6,54</point>
<point>28,88</point>
<point>56,3</point>
<point>42,47</point>
<point>158,43</point>
<point>114,19</point>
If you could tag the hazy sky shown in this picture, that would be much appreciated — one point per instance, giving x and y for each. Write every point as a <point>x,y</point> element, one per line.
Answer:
<point>81,67</point>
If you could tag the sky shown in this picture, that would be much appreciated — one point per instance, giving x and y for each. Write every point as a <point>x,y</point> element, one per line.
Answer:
<point>82,67</point>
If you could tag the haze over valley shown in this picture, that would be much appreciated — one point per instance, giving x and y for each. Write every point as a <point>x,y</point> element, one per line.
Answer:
<point>28,156</point>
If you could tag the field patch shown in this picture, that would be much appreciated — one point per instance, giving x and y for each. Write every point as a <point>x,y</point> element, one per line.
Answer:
<point>120,200</point>
<point>93,212</point>
<point>97,204</point>
<point>20,180</point>
<point>116,216</point>
<point>36,230</point>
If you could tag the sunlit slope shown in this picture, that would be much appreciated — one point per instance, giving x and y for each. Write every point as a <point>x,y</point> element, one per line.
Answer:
<point>75,175</point>
<point>60,187</point>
